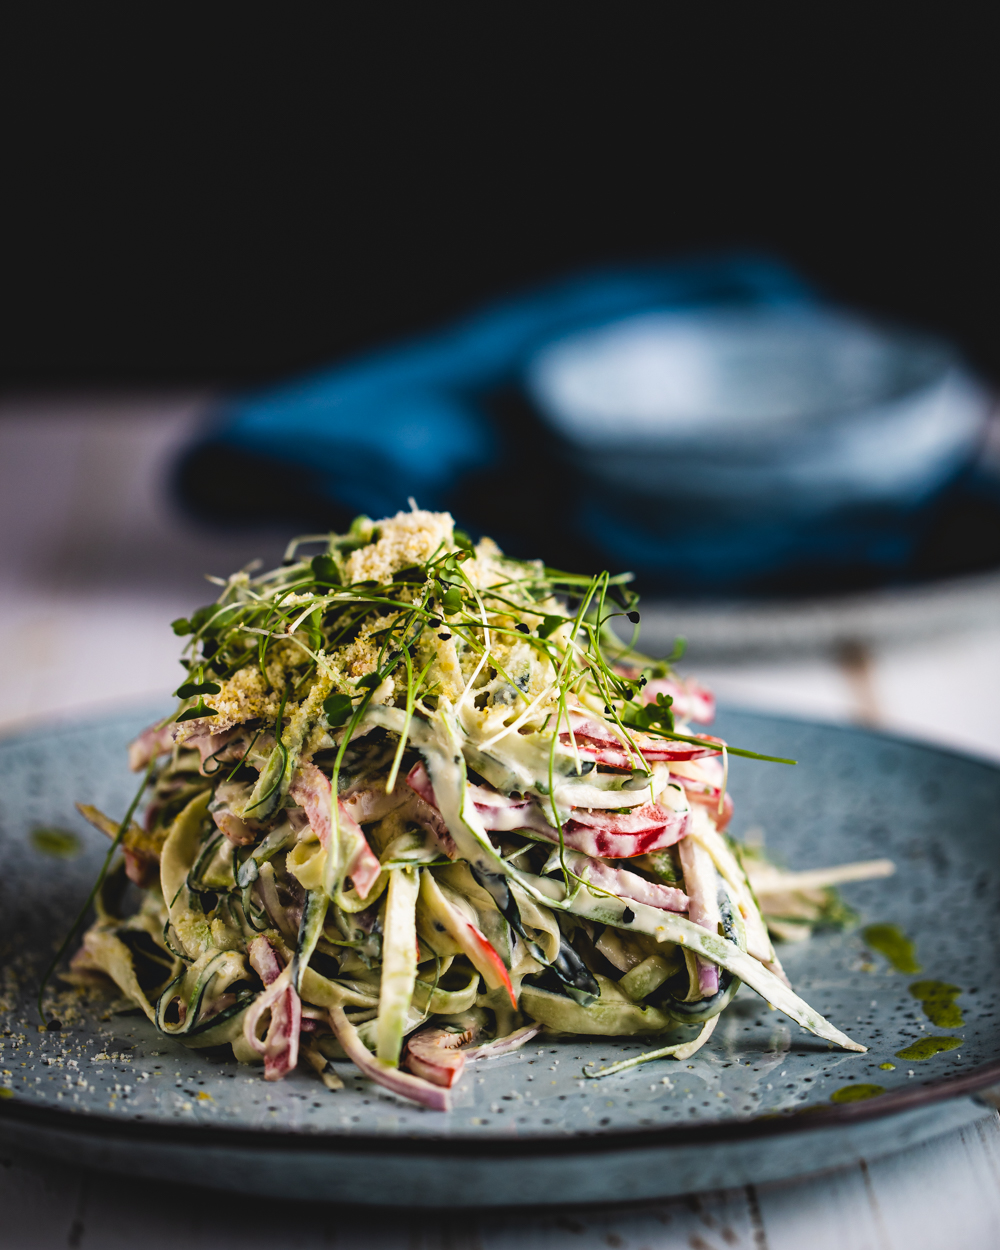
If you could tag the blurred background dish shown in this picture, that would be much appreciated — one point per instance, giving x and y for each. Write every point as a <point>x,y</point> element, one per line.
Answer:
<point>722,447</point>
<point>778,411</point>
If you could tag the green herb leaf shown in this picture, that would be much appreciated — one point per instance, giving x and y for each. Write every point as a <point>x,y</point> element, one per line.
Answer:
<point>191,688</point>
<point>338,708</point>
<point>325,570</point>
<point>550,624</point>
<point>462,540</point>
<point>201,615</point>
<point>650,714</point>
<point>452,601</point>
<point>195,713</point>
<point>181,626</point>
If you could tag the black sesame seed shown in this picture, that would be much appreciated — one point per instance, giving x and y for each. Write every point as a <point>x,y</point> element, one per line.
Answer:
<point>522,628</point>
<point>444,637</point>
<point>628,915</point>
<point>633,617</point>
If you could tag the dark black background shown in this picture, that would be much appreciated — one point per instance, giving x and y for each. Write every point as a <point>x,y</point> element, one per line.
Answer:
<point>224,197</point>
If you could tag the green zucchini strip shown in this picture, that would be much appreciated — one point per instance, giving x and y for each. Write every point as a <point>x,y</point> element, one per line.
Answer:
<point>399,962</point>
<point>682,1050</point>
<point>666,926</point>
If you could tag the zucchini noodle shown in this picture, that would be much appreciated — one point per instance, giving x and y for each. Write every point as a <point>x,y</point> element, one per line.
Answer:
<point>418,803</point>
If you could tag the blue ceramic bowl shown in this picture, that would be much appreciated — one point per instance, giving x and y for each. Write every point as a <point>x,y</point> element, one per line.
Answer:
<point>759,412</point>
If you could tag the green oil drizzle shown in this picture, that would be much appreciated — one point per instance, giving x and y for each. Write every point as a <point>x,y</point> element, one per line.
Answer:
<point>887,1067</point>
<point>894,945</point>
<point>928,1047</point>
<point>855,1093</point>
<point>59,843</point>
<point>938,1001</point>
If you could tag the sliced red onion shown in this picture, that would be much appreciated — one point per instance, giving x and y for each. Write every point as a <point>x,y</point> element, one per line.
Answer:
<point>404,1083</point>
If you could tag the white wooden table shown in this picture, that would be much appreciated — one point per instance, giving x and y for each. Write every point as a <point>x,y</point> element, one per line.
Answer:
<point>94,564</point>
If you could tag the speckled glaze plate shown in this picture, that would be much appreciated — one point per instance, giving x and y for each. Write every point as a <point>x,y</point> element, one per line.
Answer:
<point>528,1128</point>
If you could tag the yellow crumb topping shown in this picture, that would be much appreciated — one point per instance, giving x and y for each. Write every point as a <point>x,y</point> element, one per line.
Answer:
<point>406,539</point>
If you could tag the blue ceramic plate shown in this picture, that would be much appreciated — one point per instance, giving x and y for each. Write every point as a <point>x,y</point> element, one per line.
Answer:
<point>755,1104</point>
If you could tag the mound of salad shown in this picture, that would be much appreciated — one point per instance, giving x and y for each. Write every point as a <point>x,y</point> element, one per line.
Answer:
<point>418,802</point>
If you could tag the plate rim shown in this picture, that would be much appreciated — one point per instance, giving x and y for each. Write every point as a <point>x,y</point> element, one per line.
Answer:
<point>574,1143</point>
